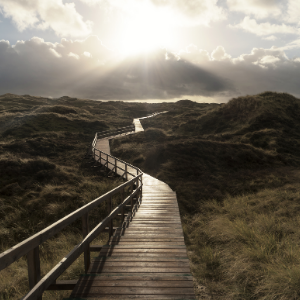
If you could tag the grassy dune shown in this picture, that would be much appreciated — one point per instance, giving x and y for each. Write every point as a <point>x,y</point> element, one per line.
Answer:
<point>235,170</point>
<point>234,166</point>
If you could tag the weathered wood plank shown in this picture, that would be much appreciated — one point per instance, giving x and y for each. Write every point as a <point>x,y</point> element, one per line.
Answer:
<point>136,244</point>
<point>94,291</point>
<point>140,264</point>
<point>129,297</point>
<point>143,235</point>
<point>131,283</point>
<point>143,246</point>
<point>149,239</point>
<point>63,285</point>
<point>141,250</point>
<point>139,276</point>
<point>141,258</point>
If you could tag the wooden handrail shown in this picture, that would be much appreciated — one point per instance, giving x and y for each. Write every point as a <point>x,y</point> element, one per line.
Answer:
<point>46,281</point>
<point>30,246</point>
<point>11,255</point>
<point>104,156</point>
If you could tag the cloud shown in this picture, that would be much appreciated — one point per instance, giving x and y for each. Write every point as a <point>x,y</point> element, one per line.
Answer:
<point>258,71</point>
<point>177,12</point>
<point>293,12</point>
<point>269,59</point>
<point>292,45</point>
<point>200,11</point>
<point>270,38</point>
<point>87,69</point>
<point>61,17</point>
<point>220,54</point>
<point>76,68</point>
<point>258,8</point>
<point>266,28</point>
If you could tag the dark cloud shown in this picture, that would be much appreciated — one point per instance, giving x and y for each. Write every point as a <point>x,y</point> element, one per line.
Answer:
<point>261,70</point>
<point>88,69</point>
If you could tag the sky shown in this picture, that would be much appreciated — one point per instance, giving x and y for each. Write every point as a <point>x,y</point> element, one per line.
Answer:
<point>149,50</point>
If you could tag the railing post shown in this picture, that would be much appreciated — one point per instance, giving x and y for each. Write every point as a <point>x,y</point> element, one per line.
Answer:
<point>126,175</point>
<point>85,232</point>
<point>109,206</point>
<point>34,269</point>
<point>115,165</point>
<point>123,208</point>
<point>100,157</point>
<point>141,190</point>
<point>107,161</point>
<point>131,191</point>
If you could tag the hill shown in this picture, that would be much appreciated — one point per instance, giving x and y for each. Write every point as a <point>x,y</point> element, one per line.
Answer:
<point>235,170</point>
<point>234,167</point>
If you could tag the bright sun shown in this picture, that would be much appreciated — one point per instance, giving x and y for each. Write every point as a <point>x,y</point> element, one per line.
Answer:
<point>145,32</point>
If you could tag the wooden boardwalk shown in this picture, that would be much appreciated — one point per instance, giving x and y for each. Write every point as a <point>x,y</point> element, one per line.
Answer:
<point>146,257</point>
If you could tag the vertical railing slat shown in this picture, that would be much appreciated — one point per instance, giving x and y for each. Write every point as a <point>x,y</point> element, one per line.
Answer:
<point>85,232</point>
<point>34,268</point>
<point>109,209</point>
<point>123,208</point>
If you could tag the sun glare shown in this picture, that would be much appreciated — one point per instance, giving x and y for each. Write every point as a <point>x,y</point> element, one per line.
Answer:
<point>145,32</point>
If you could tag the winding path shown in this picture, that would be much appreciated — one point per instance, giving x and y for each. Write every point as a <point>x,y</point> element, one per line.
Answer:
<point>146,257</point>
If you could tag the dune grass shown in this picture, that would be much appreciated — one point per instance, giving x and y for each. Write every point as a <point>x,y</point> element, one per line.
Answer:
<point>247,247</point>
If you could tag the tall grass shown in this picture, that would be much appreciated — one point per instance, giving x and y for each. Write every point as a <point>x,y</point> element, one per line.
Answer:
<point>248,245</point>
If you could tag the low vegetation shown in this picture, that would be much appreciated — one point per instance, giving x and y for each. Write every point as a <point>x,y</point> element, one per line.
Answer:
<point>234,167</point>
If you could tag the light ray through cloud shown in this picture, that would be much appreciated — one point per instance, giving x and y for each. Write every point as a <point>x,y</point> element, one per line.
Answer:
<point>149,49</point>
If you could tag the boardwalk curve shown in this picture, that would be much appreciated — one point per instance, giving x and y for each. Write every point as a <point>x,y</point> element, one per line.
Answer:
<point>146,256</point>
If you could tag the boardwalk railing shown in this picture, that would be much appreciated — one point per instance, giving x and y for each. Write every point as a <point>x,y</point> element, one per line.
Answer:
<point>103,134</point>
<point>30,246</point>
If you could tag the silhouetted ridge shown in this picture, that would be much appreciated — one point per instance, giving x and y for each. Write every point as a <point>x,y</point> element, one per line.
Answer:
<point>268,120</point>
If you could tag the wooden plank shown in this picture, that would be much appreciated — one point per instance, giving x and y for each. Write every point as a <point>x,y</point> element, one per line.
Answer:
<point>141,258</point>
<point>63,285</point>
<point>143,235</point>
<point>94,291</point>
<point>179,251</point>
<point>140,264</point>
<point>152,228</point>
<point>149,228</point>
<point>147,243</point>
<point>156,222</point>
<point>85,231</point>
<point>153,239</point>
<point>33,263</point>
<point>139,276</point>
<point>130,283</point>
<point>144,254</point>
<point>143,246</point>
<point>129,297</point>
